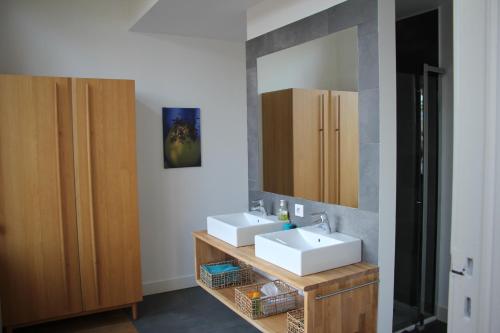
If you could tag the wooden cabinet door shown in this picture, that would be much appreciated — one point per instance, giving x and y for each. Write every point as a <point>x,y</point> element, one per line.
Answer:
<point>353,311</point>
<point>348,147</point>
<point>39,269</point>
<point>308,143</point>
<point>106,188</point>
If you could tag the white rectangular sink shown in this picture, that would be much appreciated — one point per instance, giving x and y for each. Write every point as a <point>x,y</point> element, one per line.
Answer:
<point>308,250</point>
<point>240,229</point>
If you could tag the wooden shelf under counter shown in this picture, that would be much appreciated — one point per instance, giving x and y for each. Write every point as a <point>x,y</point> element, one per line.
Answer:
<point>341,300</point>
<point>275,323</point>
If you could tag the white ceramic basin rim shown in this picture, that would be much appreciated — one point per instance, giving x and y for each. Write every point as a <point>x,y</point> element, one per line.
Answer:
<point>244,219</point>
<point>303,240</point>
<point>308,250</point>
<point>239,229</point>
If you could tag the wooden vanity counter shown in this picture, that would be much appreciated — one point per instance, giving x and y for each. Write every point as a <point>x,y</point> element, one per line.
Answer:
<point>341,300</point>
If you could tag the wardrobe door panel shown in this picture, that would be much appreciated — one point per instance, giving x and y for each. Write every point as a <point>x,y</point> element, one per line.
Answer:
<point>39,269</point>
<point>105,159</point>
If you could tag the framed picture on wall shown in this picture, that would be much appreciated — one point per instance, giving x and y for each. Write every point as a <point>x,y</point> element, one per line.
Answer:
<point>181,137</point>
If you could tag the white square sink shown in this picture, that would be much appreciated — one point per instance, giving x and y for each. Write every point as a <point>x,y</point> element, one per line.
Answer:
<point>240,229</point>
<point>308,250</point>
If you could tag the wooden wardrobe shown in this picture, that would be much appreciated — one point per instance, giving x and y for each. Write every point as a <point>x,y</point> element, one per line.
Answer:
<point>69,234</point>
<point>310,144</point>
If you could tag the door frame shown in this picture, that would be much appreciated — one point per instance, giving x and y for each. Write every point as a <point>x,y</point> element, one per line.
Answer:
<point>490,273</point>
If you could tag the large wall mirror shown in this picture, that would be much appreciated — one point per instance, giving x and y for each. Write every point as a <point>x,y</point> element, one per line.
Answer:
<point>308,120</point>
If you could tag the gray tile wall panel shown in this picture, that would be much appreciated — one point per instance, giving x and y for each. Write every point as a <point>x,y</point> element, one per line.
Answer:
<point>361,222</point>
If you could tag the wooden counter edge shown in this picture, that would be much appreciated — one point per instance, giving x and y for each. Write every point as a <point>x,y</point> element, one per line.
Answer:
<point>370,270</point>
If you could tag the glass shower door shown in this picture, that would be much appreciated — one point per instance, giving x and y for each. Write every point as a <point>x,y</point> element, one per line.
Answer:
<point>417,196</point>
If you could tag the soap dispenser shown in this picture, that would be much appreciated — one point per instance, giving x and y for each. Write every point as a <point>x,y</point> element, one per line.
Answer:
<point>283,211</point>
<point>284,216</point>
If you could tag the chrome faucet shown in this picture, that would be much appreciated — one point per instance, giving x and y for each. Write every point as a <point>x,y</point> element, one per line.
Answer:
<point>323,222</point>
<point>258,206</point>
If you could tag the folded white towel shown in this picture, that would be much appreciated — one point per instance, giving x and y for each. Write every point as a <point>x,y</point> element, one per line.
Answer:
<point>278,305</point>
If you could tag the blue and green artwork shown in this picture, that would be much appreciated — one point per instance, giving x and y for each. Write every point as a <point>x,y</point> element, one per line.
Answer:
<point>181,138</point>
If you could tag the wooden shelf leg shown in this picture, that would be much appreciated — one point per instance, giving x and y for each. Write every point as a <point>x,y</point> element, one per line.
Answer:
<point>135,314</point>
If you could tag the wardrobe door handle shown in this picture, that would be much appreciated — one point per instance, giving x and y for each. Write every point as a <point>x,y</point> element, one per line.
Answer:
<point>322,147</point>
<point>337,156</point>
<point>59,189</point>
<point>91,194</point>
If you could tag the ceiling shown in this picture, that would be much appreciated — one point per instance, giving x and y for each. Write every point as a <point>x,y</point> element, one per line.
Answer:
<point>225,19</point>
<point>407,8</point>
<point>218,19</point>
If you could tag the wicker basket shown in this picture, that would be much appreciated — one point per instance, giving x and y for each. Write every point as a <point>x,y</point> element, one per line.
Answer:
<point>266,306</point>
<point>227,279</point>
<point>295,321</point>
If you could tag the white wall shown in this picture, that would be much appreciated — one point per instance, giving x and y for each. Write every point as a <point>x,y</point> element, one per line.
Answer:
<point>495,308</point>
<point>90,39</point>
<point>387,177</point>
<point>495,294</point>
<point>269,15</point>
<point>329,63</point>
<point>139,8</point>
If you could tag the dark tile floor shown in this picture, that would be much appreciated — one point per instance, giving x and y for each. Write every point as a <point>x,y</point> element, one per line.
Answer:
<point>188,310</point>
<point>194,310</point>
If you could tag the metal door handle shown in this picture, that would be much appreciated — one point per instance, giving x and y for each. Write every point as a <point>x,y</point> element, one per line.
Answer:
<point>457,272</point>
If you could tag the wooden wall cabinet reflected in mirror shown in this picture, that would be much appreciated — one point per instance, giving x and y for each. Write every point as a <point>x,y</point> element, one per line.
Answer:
<point>310,144</point>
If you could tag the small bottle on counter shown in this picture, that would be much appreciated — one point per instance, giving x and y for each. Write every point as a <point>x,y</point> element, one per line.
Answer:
<point>283,215</point>
<point>283,211</point>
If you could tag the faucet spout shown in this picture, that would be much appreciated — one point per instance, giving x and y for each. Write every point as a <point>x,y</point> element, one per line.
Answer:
<point>258,206</point>
<point>323,222</point>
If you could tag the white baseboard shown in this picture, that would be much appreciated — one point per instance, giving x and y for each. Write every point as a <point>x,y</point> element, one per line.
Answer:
<point>156,287</point>
<point>442,314</point>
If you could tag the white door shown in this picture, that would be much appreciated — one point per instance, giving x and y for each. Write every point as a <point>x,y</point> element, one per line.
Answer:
<point>473,165</point>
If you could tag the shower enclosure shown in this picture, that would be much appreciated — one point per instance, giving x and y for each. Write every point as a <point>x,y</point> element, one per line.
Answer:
<point>418,114</point>
<point>417,191</point>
